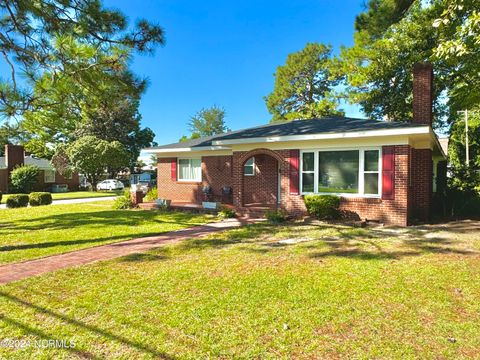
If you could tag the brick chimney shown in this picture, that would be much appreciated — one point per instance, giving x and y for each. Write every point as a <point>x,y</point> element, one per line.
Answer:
<point>14,156</point>
<point>423,93</point>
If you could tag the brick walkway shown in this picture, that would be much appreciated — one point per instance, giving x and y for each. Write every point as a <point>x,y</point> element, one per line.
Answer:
<point>18,271</point>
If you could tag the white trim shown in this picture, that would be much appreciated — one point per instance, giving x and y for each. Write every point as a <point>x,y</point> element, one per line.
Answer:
<point>388,132</point>
<point>190,165</point>
<point>186,149</point>
<point>361,172</point>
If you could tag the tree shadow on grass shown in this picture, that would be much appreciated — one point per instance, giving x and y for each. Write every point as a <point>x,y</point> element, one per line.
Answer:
<point>96,219</point>
<point>48,244</point>
<point>79,324</point>
<point>348,242</point>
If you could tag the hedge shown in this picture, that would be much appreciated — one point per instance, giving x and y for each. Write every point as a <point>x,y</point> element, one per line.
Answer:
<point>40,198</point>
<point>323,206</point>
<point>17,201</point>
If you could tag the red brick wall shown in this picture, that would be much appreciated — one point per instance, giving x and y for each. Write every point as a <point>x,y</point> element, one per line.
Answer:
<point>14,156</point>
<point>3,180</point>
<point>41,185</point>
<point>420,190</point>
<point>413,179</point>
<point>216,172</point>
<point>422,93</point>
<point>262,187</point>
<point>387,211</point>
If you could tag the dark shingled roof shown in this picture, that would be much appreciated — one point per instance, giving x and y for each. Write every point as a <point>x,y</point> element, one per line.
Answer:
<point>297,127</point>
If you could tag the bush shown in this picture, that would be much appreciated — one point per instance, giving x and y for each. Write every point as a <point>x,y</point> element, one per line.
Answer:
<point>151,194</point>
<point>323,206</point>
<point>1,195</point>
<point>40,198</point>
<point>123,202</point>
<point>226,213</point>
<point>17,201</point>
<point>24,177</point>
<point>276,216</point>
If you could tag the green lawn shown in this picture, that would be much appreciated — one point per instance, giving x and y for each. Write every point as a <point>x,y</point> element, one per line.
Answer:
<point>29,233</point>
<point>77,195</point>
<point>297,291</point>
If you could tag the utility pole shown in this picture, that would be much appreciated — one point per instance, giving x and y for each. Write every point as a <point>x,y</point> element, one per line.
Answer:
<point>467,155</point>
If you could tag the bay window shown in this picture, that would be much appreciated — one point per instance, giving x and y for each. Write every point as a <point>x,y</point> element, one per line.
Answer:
<point>190,170</point>
<point>343,172</point>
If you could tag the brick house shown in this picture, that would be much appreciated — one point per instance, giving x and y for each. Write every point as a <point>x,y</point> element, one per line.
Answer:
<point>15,156</point>
<point>385,171</point>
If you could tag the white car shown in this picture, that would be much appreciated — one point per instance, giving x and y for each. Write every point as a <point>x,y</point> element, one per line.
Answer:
<point>110,184</point>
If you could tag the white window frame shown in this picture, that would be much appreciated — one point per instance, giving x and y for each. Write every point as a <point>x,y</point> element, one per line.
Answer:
<point>190,165</point>
<point>47,181</point>
<point>361,171</point>
<point>252,165</point>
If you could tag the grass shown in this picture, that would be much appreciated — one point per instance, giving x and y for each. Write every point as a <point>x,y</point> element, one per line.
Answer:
<point>29,233</point>
<point>77,195</point>
<point>262,291</point>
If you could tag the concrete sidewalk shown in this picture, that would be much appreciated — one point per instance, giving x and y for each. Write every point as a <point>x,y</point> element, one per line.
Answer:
<point>75,201</point>
<point>18,271</point>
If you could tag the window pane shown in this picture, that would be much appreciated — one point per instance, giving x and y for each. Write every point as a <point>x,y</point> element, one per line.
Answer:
<point>338,171</point>
<point>307,182</point>
<point>183,169</point>
<point>308,162</point>
<point>249,167</point>
<point>371,160</point>
<point>196,169</point>
<point>371,183</point>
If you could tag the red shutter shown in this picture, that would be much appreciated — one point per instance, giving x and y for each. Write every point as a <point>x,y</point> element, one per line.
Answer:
<point>173,169</point>
<point>294,174</point>
<point>388,173</point>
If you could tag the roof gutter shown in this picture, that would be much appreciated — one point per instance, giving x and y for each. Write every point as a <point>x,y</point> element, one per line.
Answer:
<point>186,149</point>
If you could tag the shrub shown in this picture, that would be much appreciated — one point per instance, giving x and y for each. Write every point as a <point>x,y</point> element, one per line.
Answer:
<point>151,194</point>
<point>24,177</point>
<point>226,213</point>
<point>323,206</point>
<point>276,216</point>
<point>123,202</point>
<point>40,198</point>
<point>17,201</point>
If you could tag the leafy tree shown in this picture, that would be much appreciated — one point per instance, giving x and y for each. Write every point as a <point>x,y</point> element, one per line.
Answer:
<point>23,178</point>
<point>465,177</point>
<point>10,134</point>
<point>40,36</point>
<point>392,35</point>
<point>206,122</point>
<point>93,157</point>
<point>304,86</point>
<point>117,119</point>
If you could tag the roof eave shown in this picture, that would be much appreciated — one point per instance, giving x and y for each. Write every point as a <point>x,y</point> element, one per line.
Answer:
<point>417,130</point>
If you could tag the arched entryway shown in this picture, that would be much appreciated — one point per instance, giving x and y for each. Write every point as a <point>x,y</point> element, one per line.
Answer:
<point>260,179</point>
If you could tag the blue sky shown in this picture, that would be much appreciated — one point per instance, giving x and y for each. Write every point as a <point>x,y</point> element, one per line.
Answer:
<point>225,53</point>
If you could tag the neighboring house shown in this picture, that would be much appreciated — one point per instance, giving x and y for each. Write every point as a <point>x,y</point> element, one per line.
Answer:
<point>385,171</point>
<point>136,178</point>
<point>47,178</point>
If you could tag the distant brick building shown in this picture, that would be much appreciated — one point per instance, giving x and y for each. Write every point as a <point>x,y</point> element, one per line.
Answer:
<point>383,171</point>
<point>47,177</point>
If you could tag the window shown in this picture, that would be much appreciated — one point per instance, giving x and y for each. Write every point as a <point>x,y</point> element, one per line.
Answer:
<point>346,172</point>
<point>190,170</point>
<point>308,172</point>
<point>249,167</point>
<point>338,172</point>
<point>371,172</point>
<point>49,176</point>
